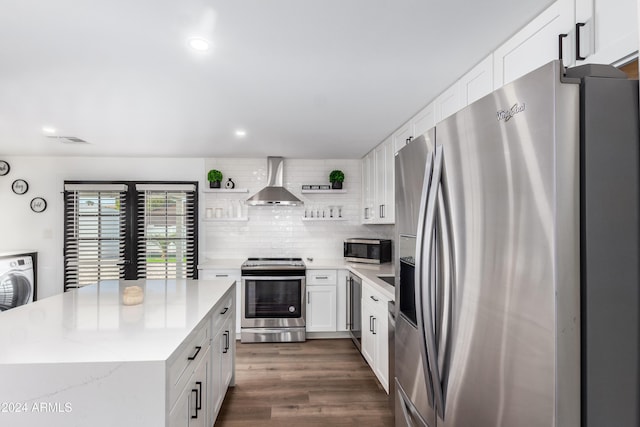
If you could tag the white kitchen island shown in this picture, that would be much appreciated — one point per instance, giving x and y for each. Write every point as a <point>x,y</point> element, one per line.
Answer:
<point>82,358</point>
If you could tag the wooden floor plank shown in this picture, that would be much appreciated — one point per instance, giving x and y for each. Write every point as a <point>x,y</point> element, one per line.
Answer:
<point>315,383</point>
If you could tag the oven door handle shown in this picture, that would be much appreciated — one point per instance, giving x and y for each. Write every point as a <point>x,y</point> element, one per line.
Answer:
<point>273,277</point>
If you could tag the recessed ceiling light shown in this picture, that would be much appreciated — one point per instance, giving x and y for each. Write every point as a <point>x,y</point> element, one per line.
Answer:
<point>199,44</point>
<point>241,133</point>
<point>48,129</point>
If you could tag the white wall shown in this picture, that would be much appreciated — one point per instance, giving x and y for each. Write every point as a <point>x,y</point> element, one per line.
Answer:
<point>22,229</point>
<point>269,231</point>
<point>280,231</point>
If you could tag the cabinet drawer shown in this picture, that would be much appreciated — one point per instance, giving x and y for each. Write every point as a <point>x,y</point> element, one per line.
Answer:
<point>373,298</point>
<point>222,312</point>
<point>190,354</point>
<point>220,274</point>
<point>322,277</point>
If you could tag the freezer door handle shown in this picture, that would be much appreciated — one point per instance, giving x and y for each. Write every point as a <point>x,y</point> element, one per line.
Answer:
<point>412,417</point>
<point>419,273</point>
<point>426,288</point>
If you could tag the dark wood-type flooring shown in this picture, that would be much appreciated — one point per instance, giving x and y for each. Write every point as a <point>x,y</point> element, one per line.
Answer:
<point>315,383</point>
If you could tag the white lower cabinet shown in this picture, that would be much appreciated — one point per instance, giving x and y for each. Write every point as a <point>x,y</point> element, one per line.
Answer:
<point>375,329</point>
<point>222,359</point>
<point>321,300</point>
<point>203,368</point>
<point>192,407</point>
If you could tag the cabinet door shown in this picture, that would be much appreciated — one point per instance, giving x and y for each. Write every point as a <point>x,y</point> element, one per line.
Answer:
<point>384,208</point>
<point>381,349</point>
<point>321,308</point>
<point>448,103</point>
<point>367,187</point>
<point>199,411</point>
<point>401,136</point>
<point>478,82</point>
<point>217,348</point>
<point>368,346</point>
<point>228,355</point>
<point>341,301</point>
<point>179,415</point>
<point>535,45</point>
<point>609,32</point>
<point>423,121</point>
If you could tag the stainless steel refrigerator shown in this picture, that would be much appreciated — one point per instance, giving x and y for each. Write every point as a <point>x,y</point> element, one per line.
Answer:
<point>517,278</point>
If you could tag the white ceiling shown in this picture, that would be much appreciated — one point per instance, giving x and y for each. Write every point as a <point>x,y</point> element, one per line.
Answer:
<point>304,78</point>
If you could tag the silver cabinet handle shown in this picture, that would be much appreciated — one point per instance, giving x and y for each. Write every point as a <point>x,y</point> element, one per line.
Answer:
<point>348,300</point>
<point>222,275</point>
<point>308,298</point>
<point>322,277</point>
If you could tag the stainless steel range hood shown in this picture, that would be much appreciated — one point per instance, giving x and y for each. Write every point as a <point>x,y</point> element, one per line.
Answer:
<point>274,193</point>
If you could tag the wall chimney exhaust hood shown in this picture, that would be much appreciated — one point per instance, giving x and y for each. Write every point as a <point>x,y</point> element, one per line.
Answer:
<point>274,193</point>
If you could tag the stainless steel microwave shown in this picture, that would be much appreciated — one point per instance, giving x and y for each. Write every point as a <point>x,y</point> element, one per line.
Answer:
<point>372,251</point>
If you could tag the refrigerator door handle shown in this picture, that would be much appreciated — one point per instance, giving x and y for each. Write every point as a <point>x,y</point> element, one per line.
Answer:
<point>425,288</point>
<point>411,415</point>
<point>419,266</point>
<point>445,285</point>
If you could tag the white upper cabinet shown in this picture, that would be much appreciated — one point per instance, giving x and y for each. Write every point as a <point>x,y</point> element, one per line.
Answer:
<point>607,30</point>
<point>418,125</point>
<point>378,184</point>
<point>402,136</point>
<point>368,188</point>
<point>423,121</point>
<point>478,82</point>
<point>385,183</point>
<point>448,103</point>
<point>535,45</point>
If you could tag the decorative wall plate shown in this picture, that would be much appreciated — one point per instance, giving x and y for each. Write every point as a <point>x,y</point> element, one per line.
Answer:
<point>20,186</point>
<point>4,168</point>
<point>38,204</point>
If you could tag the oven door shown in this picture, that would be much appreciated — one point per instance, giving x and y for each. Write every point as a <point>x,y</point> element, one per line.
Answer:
<point>273,301</point>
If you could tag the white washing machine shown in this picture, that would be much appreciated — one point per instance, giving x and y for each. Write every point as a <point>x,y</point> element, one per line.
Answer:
<point>16,281</point>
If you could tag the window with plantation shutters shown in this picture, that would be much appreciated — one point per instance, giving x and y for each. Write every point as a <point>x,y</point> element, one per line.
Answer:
<point>166,231</point>
<point>129,230</point>
<point>95,230</point>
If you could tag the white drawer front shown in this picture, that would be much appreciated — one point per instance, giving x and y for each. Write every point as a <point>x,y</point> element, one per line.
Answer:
<point>220,274</point>
<point>222,312</point>
<point>189,354</point>
<point>370,296</point>
<point>322,277</point>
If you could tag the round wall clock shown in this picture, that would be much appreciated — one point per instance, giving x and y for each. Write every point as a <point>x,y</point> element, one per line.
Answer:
<point>4,168</point>
<point>20,186</point>
<point>38,204</point>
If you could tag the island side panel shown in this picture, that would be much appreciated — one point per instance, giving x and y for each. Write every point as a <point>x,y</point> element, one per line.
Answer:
<point>83,394</point>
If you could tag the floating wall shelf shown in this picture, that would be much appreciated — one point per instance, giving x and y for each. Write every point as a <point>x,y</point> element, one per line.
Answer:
<point>224,190</point>
<point>324,219</point>
<point>323,191</point>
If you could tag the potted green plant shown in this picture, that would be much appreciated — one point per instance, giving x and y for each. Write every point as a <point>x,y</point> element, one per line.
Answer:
<point>215,177</point>
<point>336,177</point>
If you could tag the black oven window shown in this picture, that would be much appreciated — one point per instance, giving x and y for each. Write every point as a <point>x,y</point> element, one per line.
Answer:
<point>273,299</point>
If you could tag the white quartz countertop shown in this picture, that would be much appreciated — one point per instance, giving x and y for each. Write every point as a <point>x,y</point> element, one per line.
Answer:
<point>91,324</point>
<point>221,264</point>
<point>4,254</point>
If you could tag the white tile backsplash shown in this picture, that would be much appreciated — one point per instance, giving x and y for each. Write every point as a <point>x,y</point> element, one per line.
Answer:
<point>281,231</point>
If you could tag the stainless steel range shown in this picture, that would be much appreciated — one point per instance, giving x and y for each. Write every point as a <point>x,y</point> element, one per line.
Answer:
<point>273,300</point>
